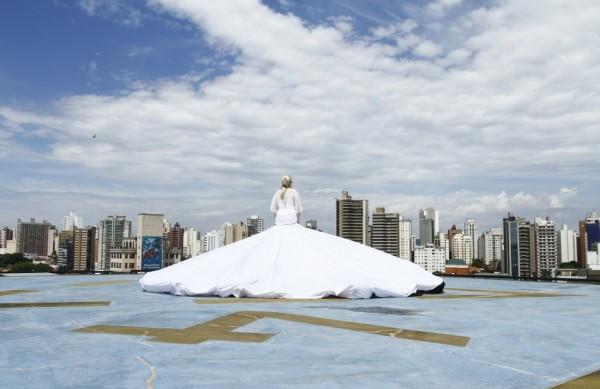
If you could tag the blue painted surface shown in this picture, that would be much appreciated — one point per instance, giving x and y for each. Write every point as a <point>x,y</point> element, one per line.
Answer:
<point>515,342</point>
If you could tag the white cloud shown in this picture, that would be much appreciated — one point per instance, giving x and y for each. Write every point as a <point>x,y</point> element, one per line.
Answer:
<point>515,97</point>
<point>116,10</point>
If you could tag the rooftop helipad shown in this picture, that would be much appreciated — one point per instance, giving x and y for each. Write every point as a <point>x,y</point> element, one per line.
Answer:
<point>102,331</point>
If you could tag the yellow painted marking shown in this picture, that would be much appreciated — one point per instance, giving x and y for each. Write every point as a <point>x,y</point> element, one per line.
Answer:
<point>222,329</point>
<point>55,304</point>
<point>244,300</point>
<point>586,382</point>
<point>15,291</point>
<point>101,283</point>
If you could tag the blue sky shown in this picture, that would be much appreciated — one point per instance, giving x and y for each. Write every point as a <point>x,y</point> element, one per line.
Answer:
<point>476,108</point>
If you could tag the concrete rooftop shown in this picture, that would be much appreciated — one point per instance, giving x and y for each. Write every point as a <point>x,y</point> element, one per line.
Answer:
<point>103,331</point>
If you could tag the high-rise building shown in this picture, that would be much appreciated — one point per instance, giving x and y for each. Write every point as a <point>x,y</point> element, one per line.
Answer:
<point>352,218</point>
<point>110,234</point>
<point>5,234</point>
<point>255,225</point>
<point>72,221</point>
<point>312,224</point>
<point>430,258</point>
<point>235,232</point>
<point>84,249</point>
<point>151,235</point>
<point>428,225</point>
<point>212,240</point>
<point>490,247</point>
<point>32,238</point>
<point>173,246</point>
<point>567,245</point>
<point>442,242</point>
<point>462,248</point>
<point>192,243</point>
<point>405,238</point>
<point>65,252</point>
<point>589,237</point>
<point>384,232</point>
<point>546,247</point>
<point>451,232</point>
<point>471,230</point>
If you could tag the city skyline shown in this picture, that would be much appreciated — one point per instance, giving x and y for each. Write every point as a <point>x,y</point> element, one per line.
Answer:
<point>196,111</point>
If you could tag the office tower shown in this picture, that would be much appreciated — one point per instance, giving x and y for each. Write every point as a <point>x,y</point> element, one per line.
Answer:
<point>352,218</point>
<point>567,245</point>
<point>84,249</point>
<point>255,225</point>
<point>32,238</point>
<point>174,246</point>
<point>546,247</point>
<point>490,247</point>
<point>123,258</point>
<point>471,230</point>
<point>65,252</point>
<point>5,235</point>
<point>127,232</point>
<point>442,242</point>
<point>384,231</point>
<point>428,225</point>
<point>312,224</point>
<point>451,232</point>
<point>405,238</point>
<point>110,234</point>
<point>462,247</point>
<point>235,232</point>
<point>211,241</point>
<point>72,221</point>
<point>150,241</point>
<point>192,243</point>
<point>430,258</point>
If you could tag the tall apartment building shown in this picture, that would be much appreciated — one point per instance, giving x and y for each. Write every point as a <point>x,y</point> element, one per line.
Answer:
<point>405,238</point>
<point>84,249</point>
<point>212,240</point>
<point>352,218</point>
<point>546,247</point>
<point>430,258</point>
<point>385,232</point>
<point>567,245</point>
<point>428,225</point>
<point>519,247</point>
<point>151,235</point>
<point>33,238</point>
<point>110,234</point>
<point>5,235</point>
<point>235,232</point>
<point>451,232</point>
<point>490,246</point>
<point>442,242</point>
<point>462,248</point>
<point>71,221</point>
<point>192,243</point>
<point>471,230</point>
<point>65,250</point>
<point>255,225</point>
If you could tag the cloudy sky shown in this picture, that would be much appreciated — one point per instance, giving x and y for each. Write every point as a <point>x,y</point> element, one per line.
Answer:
<point>195,109</point>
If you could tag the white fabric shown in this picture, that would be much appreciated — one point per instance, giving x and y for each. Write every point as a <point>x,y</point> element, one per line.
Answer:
<point>291,261</point>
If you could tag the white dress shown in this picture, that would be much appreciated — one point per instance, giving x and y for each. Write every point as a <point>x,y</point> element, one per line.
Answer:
<point>291,261</point>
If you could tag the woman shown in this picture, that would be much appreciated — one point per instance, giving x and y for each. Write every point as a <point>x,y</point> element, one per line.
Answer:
<point>290,261</point>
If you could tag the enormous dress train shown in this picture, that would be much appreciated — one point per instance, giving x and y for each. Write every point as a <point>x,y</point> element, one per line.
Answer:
<point>291,261</point>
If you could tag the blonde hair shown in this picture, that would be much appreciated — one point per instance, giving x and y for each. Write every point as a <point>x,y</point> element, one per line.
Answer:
<point>286,183</point>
